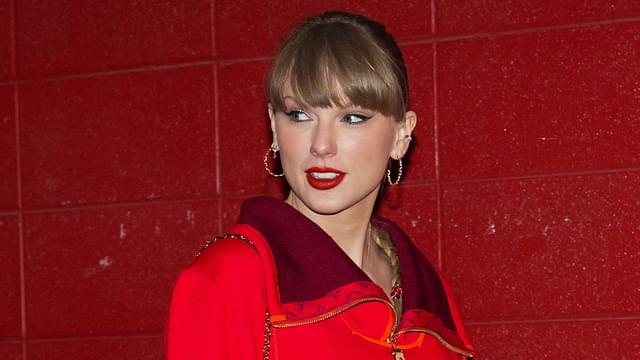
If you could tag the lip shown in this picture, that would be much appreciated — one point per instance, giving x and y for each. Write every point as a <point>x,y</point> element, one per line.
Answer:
<point>326,181</point>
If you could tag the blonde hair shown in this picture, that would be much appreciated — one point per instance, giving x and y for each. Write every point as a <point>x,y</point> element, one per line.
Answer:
<point>383,241</point>
<point>341,59</point>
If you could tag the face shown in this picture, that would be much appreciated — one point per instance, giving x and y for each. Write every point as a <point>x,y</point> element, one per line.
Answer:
<point>334,159</point>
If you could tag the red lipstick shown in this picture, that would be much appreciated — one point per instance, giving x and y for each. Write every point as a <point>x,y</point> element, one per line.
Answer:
<point>324,178</point>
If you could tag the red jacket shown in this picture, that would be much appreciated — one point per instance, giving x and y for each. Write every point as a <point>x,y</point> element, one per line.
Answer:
<point>280,288</point>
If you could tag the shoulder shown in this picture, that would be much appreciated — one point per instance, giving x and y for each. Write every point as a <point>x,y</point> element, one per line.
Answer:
<point>222,292</point>
<point>227,261</point>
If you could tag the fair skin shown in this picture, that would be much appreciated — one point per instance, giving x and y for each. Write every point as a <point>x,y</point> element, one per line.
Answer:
<point>355,141</point>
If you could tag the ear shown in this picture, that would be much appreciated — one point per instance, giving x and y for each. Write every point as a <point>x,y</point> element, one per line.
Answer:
<point>272,119</point>
<point>403,135</point>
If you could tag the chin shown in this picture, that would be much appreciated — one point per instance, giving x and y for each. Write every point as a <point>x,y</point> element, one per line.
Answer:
<point>325,205</point>
<point>331,203</point>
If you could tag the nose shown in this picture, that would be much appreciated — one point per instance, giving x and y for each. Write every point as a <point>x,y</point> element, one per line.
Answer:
<point>323,143</point>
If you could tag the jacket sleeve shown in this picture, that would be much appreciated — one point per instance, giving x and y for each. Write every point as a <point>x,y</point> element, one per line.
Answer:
<point>218,307</point>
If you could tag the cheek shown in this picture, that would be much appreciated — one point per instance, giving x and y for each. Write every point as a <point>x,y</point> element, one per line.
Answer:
<point>287,137</point>
<point>383,140</point>
<point>371,152</point>
<point>292,146</point>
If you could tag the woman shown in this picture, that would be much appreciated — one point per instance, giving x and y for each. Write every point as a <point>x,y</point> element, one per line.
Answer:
<point>318,276</point>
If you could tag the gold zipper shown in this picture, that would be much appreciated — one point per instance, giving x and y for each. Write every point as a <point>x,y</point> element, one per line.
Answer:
<point>435,335</point>
<point>396,352</point>
<point>332,313</point>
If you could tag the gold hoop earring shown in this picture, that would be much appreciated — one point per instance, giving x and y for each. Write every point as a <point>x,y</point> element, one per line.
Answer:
<point>275,149</point>
<point>393,183</point>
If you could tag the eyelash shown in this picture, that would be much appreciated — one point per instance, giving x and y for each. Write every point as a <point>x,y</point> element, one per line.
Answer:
<point>294,113</point>
<point>359,118</point>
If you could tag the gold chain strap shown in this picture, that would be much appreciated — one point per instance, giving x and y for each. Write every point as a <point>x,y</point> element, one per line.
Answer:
<point>266,348</point>
<point>225,236</point>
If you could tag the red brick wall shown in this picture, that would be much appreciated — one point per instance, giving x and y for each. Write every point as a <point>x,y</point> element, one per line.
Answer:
<point>131,131</point>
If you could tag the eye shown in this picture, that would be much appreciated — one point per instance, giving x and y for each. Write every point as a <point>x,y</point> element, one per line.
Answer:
<point>297,115</point>
<point>353,119</point>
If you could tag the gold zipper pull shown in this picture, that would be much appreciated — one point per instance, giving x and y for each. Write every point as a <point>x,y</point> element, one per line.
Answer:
<point>398,354</point>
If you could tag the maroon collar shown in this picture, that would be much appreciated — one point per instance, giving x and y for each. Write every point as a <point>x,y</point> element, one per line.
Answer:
<point>310,264</point>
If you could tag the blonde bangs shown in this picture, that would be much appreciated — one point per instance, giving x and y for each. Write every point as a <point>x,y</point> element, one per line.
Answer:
<point>338,65</point>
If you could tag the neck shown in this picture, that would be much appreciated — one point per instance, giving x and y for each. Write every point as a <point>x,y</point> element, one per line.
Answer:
<point>348,228</point>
